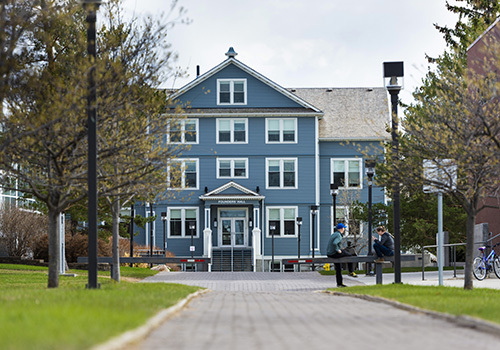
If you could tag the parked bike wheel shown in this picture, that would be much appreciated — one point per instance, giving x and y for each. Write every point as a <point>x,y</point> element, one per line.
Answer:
<point>496,266</point>
<point>479,269</point>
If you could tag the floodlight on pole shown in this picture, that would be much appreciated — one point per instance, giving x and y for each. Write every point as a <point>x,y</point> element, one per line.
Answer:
<point>393,81</point>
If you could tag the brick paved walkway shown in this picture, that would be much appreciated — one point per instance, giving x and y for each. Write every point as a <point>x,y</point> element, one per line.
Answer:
<point>281,311</point>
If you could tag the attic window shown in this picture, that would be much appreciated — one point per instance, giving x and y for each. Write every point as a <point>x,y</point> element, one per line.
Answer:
<point>231,91</point>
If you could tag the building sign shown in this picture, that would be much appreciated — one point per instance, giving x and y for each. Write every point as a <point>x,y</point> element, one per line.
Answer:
<point>231,202</point>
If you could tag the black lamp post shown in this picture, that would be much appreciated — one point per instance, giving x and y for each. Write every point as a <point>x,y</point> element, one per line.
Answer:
<point>92,6</point>
<point>151,231</point>
<point>314,211</point>
<point>164,220</point>
<point>132,214</point>
<point>299,224</point>
<point>393,71</point>
<point>334,191</point>
<point>370,171</point>
<point>272,228</point>
<point>192,227</point>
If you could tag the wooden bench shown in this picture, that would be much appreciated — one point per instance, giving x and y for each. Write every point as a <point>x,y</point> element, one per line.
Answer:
<point>351,259</point>
<point>147,260</point>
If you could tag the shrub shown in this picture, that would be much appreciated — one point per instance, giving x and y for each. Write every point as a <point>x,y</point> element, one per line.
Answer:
<point>20,230</point>
<point>76,246</point>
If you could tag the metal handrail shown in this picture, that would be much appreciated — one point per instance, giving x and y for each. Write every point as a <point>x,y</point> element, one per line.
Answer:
<point>424,248</point>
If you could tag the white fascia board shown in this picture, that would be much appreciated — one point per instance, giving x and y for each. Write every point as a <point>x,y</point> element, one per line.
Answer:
<point>263,114</point>
<point>339,139</point>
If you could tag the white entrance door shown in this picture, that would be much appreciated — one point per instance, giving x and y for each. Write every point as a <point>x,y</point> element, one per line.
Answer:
<point>233,231</point>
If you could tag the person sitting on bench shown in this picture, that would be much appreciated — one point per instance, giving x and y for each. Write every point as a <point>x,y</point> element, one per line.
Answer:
<point>384,246</point>
<point>333,251</point>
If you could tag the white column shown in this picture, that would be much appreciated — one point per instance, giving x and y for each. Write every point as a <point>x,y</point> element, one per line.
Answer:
<point>62,247</point>
<point>256,246</point>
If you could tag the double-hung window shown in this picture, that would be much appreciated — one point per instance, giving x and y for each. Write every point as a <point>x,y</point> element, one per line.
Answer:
<point>232,168</point>
<point>182,221</point>
<point>183,173</point>
<point>347,172</point>
<point>232,130</point>
<point>282,221</point>
<point>231,91</point>
<point>281,130</point>
<point>183,131</point>
<point>281,173</point>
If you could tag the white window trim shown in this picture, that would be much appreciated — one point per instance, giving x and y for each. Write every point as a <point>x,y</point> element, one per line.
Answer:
<point>346,171</point>
<point>281,130</point>
<point>183,132</point>
<point>183,184</point>
<point>184,234</point>
<point>282,222</point>
<point>231,92</point>
<point>232,160</point>
<point>232,120</point>
<point>281,187</point>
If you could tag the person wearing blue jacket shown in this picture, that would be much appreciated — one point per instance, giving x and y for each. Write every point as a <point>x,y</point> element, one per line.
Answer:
<point>334,251</point>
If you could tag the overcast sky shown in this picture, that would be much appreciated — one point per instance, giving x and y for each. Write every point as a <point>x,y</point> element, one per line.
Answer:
<point>308,43</point>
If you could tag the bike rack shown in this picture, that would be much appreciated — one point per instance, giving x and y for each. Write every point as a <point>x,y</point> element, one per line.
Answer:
<point>453,245</point>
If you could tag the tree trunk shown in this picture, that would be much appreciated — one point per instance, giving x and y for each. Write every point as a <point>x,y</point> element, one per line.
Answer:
<point>115,213</point>
<point>54,242</point>
<point>469,251</point>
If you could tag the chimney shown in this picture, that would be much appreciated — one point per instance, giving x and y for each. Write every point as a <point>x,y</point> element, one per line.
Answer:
<point>197,71</point>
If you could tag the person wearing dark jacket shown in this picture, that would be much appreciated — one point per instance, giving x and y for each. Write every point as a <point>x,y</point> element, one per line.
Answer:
<point>384,245</point>
<point>334,251</point>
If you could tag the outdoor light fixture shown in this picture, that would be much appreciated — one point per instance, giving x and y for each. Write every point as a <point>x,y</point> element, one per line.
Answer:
<point>250,223</point>
<point>392,72</point>
<point>393,75</point>
<point>314,211</point>
<point>164,220</point>
<point>215,223</point>
<point>370,169</point>
<point>272,228</point>
<point>370,172</point>
<point>334,191</point>
<point>299,224</point>
<point>192,227</point>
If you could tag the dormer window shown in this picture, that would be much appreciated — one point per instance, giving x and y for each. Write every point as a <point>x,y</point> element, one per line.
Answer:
<point>231,91</point>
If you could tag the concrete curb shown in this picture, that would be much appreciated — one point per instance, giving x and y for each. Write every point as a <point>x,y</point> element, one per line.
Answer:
<point>461,320</point>
<point>142,331</point>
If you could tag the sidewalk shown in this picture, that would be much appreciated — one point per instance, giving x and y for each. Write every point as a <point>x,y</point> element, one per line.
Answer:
<point>286,311</point>
<point>432,279</point>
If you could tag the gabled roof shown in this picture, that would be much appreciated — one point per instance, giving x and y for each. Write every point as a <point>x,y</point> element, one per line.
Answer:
<point>231,191</point>
<point>355,114</point>
<point>255,74</point>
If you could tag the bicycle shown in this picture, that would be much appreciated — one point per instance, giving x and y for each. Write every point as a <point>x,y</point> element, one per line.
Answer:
<point>483,265</point>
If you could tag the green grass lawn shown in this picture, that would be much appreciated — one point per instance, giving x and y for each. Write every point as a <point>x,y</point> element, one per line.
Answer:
<point>71,316</point>
<point>481,302</point>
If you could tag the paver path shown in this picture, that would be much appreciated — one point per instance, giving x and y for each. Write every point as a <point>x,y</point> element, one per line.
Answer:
<point>281,311</point>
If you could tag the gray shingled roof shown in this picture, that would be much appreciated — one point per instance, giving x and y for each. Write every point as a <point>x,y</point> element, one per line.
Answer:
<point>349,113</point>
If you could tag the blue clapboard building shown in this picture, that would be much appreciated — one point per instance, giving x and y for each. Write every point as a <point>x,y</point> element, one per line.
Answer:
<point>260,156</point>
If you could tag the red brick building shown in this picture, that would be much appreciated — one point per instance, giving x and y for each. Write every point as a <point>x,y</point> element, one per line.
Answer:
<point>484,48</point>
